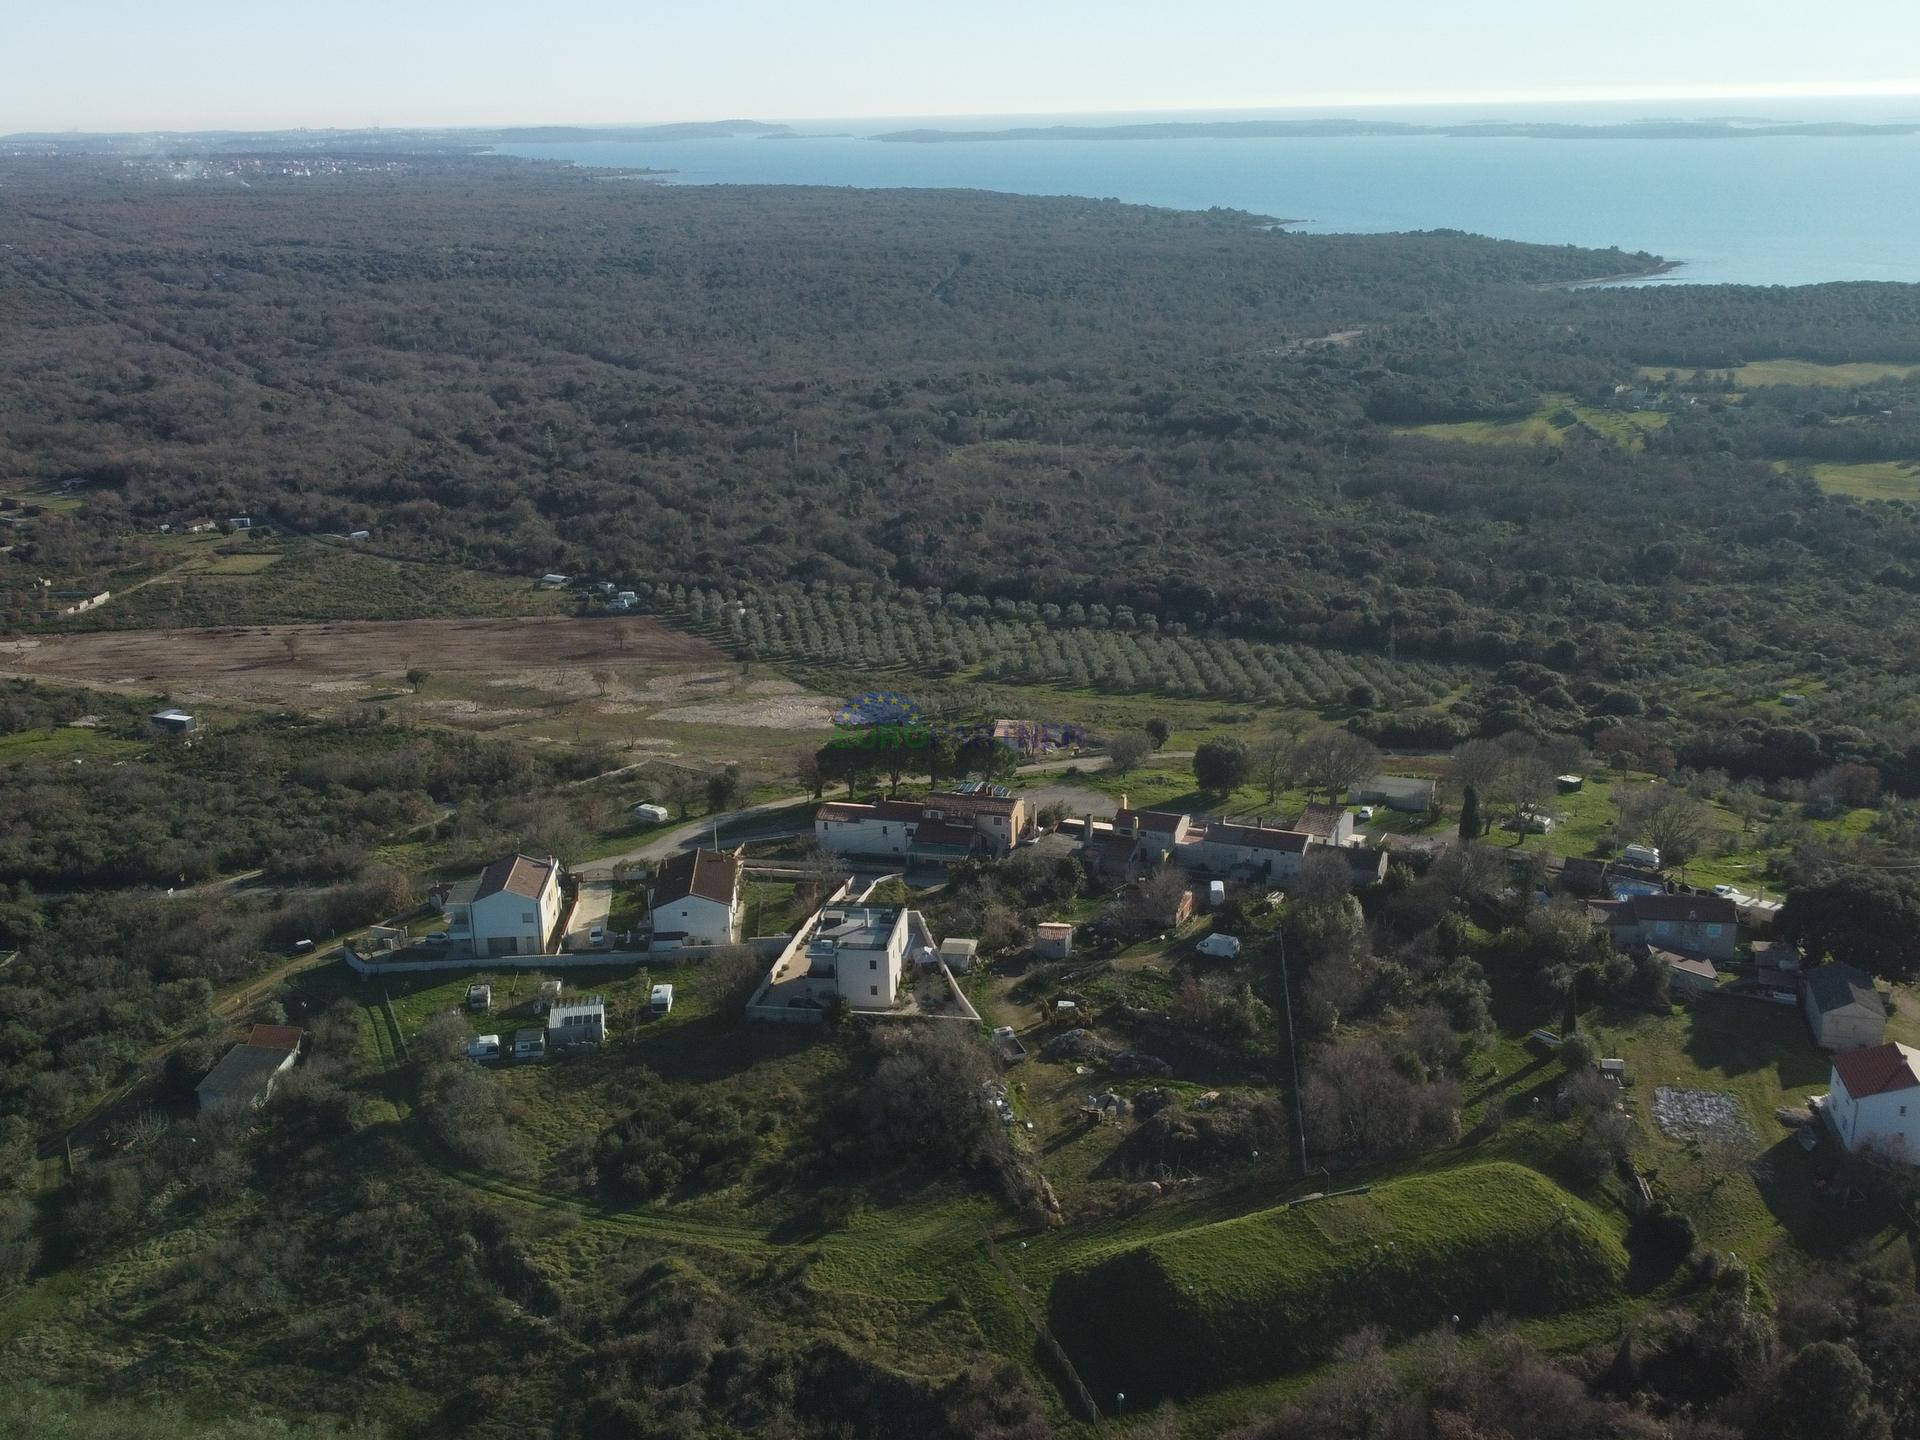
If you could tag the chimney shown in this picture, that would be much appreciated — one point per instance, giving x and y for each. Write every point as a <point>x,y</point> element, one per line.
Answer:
<point>1123,800</point>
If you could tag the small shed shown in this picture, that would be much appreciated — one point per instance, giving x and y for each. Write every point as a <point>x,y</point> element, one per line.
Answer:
<point>1569,784</point>
<point>480,996</point>
<point>1843,1009</point>
<point>573,1021</point>
<point>1053,940</point>
<point>173,722</point>
<point>1690,974</point>
<point>529,1044</point>
<point>1614,1070</point>
<point>550,993</point>
<point>1776,955</point>
<point>957,954</point>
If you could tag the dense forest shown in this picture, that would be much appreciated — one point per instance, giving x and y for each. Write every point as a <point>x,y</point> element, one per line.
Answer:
<point>1046,402</point>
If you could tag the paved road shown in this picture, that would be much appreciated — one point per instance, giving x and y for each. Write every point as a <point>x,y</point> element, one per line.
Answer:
<point>687,837</point>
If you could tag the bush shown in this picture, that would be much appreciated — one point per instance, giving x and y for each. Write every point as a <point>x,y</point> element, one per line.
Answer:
<point>1222,764</point>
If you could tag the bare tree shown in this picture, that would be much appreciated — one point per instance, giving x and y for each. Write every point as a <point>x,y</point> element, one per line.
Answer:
<point>806,769</point>
<point>1524,785</point>
<point>1126,750</point>
<point>1672,821</point>
<point>1479,763</point>
<point>684,790</point>
<point>1332,760</point>
<point>1276,763</point>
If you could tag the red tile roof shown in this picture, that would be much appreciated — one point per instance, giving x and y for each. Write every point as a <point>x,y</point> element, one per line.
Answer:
<point>1878,1069</point>
<point>706,873</point>
<point>520,874</point>
<point>1685,909</point>
<point>940,833</point>
<point>1152,822</point>
<point>276,1037</point>
<point>1252,837</point>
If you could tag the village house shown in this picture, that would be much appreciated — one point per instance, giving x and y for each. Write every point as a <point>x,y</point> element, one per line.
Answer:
<point>1328,824</point>
<point>513,908</point>
<point>1843,1009</point>
<point>1692,924</point>
<point>695,900</point>
<point>859,953</point>
<point>1249,851</point>
<point>1689,974</point>
<point>1873,1099</point>
<point>946,825</point>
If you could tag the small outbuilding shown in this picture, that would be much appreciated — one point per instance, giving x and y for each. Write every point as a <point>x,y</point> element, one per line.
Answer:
<point>1843,1009</point>
<point>573,1021</point>
<point>529,1044</point>
<point>958,954</point>
<point>245,1076</point>
<point>1690,974</point>
<point>1053,940</point>
<point>174,722</point>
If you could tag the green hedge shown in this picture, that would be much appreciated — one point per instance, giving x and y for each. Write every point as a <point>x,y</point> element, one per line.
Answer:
<point>1273,1292</point>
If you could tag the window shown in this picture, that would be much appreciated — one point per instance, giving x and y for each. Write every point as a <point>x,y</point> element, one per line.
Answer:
<point>1714,930</point>
<point>873,964</point>
<point>528,917</point>
<point>1903,1110</point>
<point>873,989</point>
<point>1662,927</point>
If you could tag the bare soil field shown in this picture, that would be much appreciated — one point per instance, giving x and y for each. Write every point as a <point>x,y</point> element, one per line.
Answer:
<point>272,662</point>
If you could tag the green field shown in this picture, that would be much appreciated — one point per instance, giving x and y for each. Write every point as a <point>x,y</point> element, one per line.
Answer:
<point>1255,1297</point>
<point>1877,480</point>
<point>1544,427</point>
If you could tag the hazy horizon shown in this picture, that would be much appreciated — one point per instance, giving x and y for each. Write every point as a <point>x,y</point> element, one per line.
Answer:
<point>116,67</point>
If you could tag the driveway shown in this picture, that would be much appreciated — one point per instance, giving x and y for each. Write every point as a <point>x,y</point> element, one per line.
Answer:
<point>596,899</point>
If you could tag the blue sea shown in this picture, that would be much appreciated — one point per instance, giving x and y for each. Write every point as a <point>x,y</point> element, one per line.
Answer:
<point>1784,210</point>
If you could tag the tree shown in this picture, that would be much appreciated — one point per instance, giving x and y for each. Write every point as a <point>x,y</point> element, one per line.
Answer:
<point>1276,762</point>
<point>1158,731</point>
<point>990,758</point>
<point>807,770</point>
<point>1128,749</point>
<point>1524,786</point>
<point>1479,764</point>
<point>1672,821</point>
<point>681,790</point>
<point>1363,697</point>
<point>723,789</point>
<point>1470,814</point>
<point>1867,919</point>
<point>416,677</point>
<point>1222,764</point>
<point>1826,1393</point>
<point>1333,760</point>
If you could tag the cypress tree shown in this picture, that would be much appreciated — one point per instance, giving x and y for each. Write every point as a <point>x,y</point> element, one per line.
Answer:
<point>1470,814</point>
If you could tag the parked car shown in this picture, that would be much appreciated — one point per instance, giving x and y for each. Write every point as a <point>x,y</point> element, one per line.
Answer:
<point>597,937</point>
<point>436,937</point>
<point>1219,947</point>
<point>1365,812</point>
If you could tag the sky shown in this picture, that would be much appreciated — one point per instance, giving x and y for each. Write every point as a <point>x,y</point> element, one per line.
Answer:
<point>110,65</point>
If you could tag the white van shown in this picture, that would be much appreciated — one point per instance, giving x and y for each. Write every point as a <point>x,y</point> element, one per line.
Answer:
<point>1219,947</point>
<point>1641,855</point>
<point>662,999</point>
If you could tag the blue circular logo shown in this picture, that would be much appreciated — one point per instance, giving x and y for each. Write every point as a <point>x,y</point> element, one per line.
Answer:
<point>879,707</point>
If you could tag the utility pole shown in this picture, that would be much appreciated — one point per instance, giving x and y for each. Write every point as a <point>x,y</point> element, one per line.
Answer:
<point>1293,1054</point>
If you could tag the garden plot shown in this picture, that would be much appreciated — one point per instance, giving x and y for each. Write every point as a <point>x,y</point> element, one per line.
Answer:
<point>1700,1115</point>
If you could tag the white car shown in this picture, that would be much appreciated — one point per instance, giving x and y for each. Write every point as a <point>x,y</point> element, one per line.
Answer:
<point>597,937</point>
<point>436,937</point>
<point>1365,812</point>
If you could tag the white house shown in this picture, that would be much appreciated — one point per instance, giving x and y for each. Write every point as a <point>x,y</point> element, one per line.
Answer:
<point>696,900</point>
<point>883,828</point>
<point>857,951</point>
<point>1874,1099</point>
<point>570,1021</point>
<point>512,909</point>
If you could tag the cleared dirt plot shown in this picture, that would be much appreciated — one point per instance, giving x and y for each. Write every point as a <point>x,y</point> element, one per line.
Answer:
<point>284,662</point>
